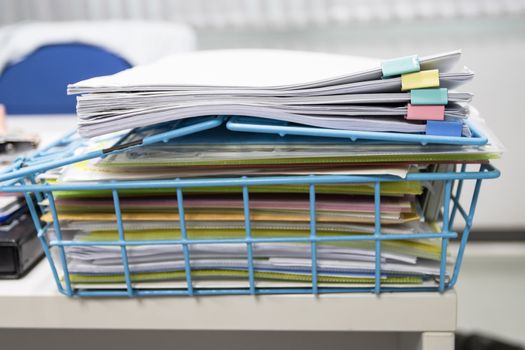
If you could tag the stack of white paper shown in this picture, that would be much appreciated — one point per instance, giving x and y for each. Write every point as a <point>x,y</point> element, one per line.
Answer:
<point>322,90</point>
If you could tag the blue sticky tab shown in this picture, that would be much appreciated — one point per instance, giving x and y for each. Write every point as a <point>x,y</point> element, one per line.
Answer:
<point>401,65</point>
<point>438,96</point>
<point>444,128</point>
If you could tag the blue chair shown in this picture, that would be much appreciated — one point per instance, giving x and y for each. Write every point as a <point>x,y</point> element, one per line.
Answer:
<point>37,84</point>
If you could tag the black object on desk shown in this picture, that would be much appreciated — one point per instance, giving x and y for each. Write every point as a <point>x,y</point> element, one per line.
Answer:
<point>20,248</point>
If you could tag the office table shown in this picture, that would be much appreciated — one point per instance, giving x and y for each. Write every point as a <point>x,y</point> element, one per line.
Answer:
<point>421,320</point>
<point>407,320</point>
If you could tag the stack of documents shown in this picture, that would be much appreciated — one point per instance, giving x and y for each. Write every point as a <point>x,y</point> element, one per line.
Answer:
<point>218,213</point>
<point>321,90</point>
<point>262,87</point>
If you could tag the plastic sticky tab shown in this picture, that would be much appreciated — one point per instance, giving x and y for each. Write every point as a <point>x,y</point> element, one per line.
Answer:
<point>400,65</point>
<point>434,96</point>
<point>444,128</point>
<point>425,112</point>
<point>419,80</point>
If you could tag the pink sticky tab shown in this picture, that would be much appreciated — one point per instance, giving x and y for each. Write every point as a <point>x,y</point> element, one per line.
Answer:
<point>420,112</point>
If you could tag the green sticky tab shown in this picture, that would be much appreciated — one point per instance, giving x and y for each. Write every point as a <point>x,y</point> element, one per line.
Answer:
<point>401,65</point>
<point>438,96</point>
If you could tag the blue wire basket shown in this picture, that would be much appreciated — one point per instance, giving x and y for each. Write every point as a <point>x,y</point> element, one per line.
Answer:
<point>22,175</point>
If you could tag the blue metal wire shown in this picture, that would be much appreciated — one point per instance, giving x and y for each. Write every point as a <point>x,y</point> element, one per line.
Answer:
<point>36,167</point>
<point>21,177</point>
<point>389,237</point>
<point>41,236</point>
<point>458,195</point>
<point>239,124</point>
<point>313,238</point>
<point>377,235</point>
<point>38,195</point>
<point>466,232</point>
<point>122,241</point>
<point>58,233</point>
<point>259,291</point>
<point>248,230</point>
<point>184,240</point>
<point>444,240</point>
<point>487,173</point>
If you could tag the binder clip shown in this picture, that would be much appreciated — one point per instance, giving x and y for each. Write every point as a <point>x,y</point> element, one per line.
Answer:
<point>400,65</point>
<point>433,112</point>
<point>418,80</point>
<point>444,128</point>
<point>434,96</point>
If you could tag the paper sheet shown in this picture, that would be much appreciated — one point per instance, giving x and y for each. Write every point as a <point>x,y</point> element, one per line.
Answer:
<point>252,68</point>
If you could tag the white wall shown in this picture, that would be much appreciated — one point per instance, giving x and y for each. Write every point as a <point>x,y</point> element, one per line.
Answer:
<point>255,13</point>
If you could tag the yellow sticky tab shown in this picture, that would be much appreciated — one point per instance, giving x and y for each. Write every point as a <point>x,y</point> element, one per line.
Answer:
<point>418,80</point>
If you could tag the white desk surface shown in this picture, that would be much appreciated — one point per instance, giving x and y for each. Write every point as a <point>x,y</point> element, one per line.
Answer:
<point>49,127</point>
<point>33,301</point>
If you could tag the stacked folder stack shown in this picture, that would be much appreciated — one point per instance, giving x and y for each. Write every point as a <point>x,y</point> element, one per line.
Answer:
<point>311,89</point>
<point>280,115</point>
